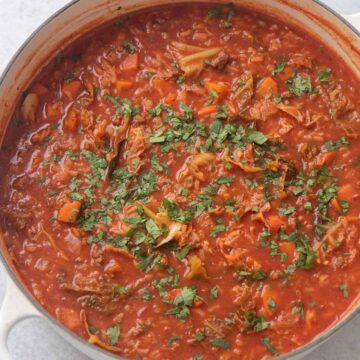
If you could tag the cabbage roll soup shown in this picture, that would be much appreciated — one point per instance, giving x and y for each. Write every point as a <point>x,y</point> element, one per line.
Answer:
<point>182,183</point>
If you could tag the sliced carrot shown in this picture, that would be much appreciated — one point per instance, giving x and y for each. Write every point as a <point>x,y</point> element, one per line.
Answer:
<point>267,86</point>
<point>76,232</point>
<point>207,110</point>
<point>69,212</point>
<point>335,204</point>
<point>123,85</point>
<point>289,249</point>
<point>163,86</point>
<point>170,98</point>
<point>52,110</point>
<point>218,87</point>
<point>131,62</point>
<point>326,158</point>
<point>39,89</point>
<point>72,89</point>
<point>352,218</point>
<point>347,192</point>
<point>71,121</point>
<point>286,74</point>
<point>267,295</point>
<point>275,222</point>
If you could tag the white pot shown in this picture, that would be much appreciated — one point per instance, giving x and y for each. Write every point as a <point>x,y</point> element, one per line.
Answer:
<point>81,16</point>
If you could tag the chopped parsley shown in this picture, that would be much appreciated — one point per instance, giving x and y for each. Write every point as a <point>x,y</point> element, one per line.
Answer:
<point>345,289</point>
<point>181,255</point>
<point>333,145</point>
<point>183,302</point>
<point>217,229</point>
<point>255,322</point>
<point>300,85</point>
<point>286,210</point>
<point>324,75</point>
<point>113,334</point>
<point>279,67</point>
<point>254,275</point>
<point>220,343</point>
<point>129,47</point>
<point>269,346</point>
<point>172,340</point>
<point>214,293</point>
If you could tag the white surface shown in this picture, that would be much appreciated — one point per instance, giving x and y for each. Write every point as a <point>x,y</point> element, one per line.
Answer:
<point>33,339</point>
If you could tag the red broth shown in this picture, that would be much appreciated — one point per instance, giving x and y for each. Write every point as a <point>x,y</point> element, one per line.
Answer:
<point>183,183</point>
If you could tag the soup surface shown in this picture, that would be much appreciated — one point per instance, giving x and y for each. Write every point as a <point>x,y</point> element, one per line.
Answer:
<point>183,183</point>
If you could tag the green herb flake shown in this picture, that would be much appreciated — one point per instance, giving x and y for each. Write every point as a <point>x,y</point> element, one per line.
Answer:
<point>286,210</point>
<point>172,340</point>
<point>217,229</point>
<point>334,145</point>
<point>345,289</point>
<point>220,343</point>
<point>147,296</point>
<point>200,336</point>
<point>269,346</point>
<point>271,303</point>
<point>214,293</point>
<point>324,75</point>
<point>257,137</point>
<point>181,255</point>
<point>300,85</point>
<point>113,334</point>
<point>129,47</point>
<point>279,67</point>
<point>215,12</point>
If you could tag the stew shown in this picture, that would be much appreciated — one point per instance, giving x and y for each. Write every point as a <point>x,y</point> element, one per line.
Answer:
<point>185,182</point>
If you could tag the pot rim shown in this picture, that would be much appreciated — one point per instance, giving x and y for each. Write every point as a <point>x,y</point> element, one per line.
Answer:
<point>322,337</point>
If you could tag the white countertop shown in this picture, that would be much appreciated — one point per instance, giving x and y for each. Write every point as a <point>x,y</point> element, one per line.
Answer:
<point>34,339</point>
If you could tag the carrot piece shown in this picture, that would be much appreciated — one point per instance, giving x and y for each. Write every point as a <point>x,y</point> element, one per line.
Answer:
<point>275,222</point>
<point>335,204</point>
<point>267,295</point>
<point>39,89</point>
<point>326,158</point>
<point>286,74</point>
<point>346,192</point>
<point>170,98</point>
<point>52,110</point>
<point>267,86</point>
<point>76,232</point>
<point>69,212</point>
<point>163,86</point>
<point>71,121</point>
<point>352,218</point>
<point>123,85</point>
<point>131,62</point>
<point>71,89</point>
<point>310,317</point>
<point>289,249</point>
<point>217,86</point>
<point>207,110</point>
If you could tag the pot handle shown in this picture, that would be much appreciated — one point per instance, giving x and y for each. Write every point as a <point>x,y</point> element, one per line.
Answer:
<point>15,308</point>
<point>354,20</point>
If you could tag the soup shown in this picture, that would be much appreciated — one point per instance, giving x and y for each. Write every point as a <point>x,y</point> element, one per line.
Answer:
<point>183,182</point>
